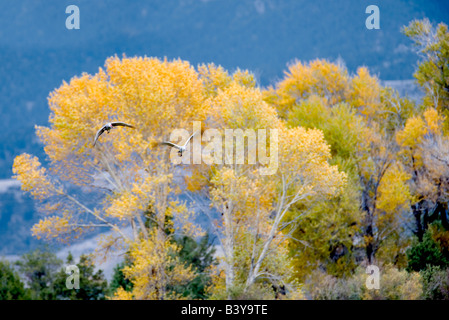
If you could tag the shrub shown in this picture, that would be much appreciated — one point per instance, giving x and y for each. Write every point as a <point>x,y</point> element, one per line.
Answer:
<point>395,284</point>
<point>435,283</point>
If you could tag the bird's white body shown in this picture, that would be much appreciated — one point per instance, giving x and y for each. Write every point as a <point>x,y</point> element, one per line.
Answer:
<point>182,148</point>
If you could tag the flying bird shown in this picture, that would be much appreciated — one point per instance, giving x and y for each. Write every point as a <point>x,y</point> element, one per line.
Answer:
<point>108,126</point>
<point>182,148</point>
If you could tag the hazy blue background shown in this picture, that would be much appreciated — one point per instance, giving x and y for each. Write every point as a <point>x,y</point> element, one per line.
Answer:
<point>37,53</point>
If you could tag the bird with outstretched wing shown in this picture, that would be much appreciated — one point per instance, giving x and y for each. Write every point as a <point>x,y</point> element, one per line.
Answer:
<point>182,148</point>
<point>108,126</point>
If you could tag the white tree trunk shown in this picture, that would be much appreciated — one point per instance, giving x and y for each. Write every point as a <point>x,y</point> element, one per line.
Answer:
<point>228,244</point>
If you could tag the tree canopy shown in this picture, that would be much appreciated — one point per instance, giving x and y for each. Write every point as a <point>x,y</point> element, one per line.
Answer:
<point>323,172</point>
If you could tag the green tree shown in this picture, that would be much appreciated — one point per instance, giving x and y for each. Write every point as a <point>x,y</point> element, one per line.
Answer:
<point>200,255</point>
<point>92,285</point>
<point>426,253</point>
<point>118,278</point>
<point>432,44</point>
<point>11,286</point>
<point>39,268</point>
<point>326,239</point>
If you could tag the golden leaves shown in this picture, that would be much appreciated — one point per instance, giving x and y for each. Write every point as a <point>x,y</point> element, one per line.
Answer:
<point>148,90</point>
<point>434,121</point>
<point>124,206</point>
<point>394,192</point>
<point>33,177</point>
<point>413,133</point>
<point>138,182</point>
<point>51,227</point>
<point>241,107</point>
<point>416,130</point>
<point>154,266</point>
<point>214,78</point>
<point>303,156</point>
<point>319,77</point>
<point>365,93</point>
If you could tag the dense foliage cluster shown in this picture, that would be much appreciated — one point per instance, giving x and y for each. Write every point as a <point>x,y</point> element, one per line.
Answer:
<point>361,178</point>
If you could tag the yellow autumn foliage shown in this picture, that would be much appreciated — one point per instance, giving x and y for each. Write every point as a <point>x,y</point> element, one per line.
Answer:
<point>136,187</point>
<point>154,266</point>
<point>319,77</point>
<point>394,192</point>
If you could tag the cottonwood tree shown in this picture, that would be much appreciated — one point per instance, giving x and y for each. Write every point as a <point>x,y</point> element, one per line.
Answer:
<point>432,45</point>
<point>423,140</point>
<point>254,206</point>
<point>125,179</point>
<point>359,118</point>
<point>424,152</point>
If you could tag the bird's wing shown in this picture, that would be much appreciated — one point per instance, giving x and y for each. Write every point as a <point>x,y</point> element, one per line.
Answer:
<point>99,132</point>
<point>118,123</point>
<point>190,138</point>
<point>171,144</point>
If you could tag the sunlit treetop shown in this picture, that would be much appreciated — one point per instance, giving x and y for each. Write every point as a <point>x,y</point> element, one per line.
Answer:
<point>138,91</point>
<point>432,45</point>
<point>319,77</point>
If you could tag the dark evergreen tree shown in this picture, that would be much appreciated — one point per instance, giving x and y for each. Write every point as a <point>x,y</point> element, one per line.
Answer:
<point>39,268</point>
<point>118,278</point>
<point>11,286</point>
<point>92,285</point>
<point>425,253</point>
<point>200,255</point>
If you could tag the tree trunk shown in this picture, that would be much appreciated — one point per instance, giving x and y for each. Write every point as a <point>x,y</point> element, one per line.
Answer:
<point>229,249</point>
<point>417,213</point>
